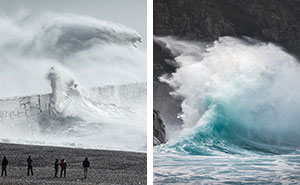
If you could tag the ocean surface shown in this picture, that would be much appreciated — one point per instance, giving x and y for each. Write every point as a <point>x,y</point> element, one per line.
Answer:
<point>251,168</point>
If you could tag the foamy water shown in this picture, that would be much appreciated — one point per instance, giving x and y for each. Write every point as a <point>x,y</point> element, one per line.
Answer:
<point>66,54</point>
<point>240,108</point>
<point>97,52</point>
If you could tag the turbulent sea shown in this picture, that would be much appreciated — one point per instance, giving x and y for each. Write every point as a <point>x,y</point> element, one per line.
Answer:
<point>240,109</point>
<point>67,54</point>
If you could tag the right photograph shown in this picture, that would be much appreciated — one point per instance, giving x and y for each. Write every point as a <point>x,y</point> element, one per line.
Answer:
<point>226,92</point>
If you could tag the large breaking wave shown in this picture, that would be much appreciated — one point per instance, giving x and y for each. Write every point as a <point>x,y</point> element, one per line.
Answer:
<point>239,95</point>
<point>66,54</point>
<point>96,51</point>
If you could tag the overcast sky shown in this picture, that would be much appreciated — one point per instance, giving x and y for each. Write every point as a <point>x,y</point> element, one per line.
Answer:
<point>132,13</point>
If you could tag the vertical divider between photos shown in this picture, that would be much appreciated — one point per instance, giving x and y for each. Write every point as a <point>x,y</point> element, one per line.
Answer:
<point>149,92</point>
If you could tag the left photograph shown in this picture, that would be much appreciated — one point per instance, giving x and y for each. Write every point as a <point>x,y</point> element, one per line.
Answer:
<point>73,96</point>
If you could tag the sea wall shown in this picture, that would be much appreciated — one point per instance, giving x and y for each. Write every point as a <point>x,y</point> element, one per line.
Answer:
<point>31,107</point>
<point>132,95</point>
<point>26,107</point>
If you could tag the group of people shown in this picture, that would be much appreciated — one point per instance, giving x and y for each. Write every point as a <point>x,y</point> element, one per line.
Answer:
<point>62,164</point>
<point>63,167</point>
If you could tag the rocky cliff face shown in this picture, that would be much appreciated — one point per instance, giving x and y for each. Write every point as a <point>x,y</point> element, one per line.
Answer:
<point>159,133</point>
<point>268,20</point>
<point>276,21</point>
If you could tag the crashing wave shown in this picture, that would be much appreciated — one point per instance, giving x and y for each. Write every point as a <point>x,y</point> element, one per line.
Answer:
<point>237,94</point>
<point>98,53</point>
<point>65,33</point>
<point>78,43</point>
<point>73,116</point>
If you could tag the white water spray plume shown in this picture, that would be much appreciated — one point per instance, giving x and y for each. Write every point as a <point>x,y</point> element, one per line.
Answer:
<point>97,52</point>
<point>236,92</point>
<point>66,54</point>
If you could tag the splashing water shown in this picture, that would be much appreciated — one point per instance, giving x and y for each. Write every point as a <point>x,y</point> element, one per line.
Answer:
<point>92,123</point>
<point>72,53</point>
<point>240,100</point>
<point>97,52</point>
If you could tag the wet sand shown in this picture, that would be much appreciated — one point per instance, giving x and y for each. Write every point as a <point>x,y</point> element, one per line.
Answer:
<point>107,167</point>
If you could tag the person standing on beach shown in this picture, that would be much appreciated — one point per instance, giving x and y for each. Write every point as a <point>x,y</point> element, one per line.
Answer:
<point>86,165</point>
<point>29,165</point>
<point>56,164</point>
<point>4,165</point>
<point>63,166</point>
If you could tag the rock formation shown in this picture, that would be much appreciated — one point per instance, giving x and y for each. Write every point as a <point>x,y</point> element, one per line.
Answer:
<point>159,134</point>
<point>268,20</point>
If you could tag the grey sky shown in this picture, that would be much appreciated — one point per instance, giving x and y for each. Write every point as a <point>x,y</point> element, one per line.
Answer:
<point>132,13</point>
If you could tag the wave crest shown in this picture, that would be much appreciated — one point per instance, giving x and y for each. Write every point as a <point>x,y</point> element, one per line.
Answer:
<point>238,93</point>
<point>82,44</point>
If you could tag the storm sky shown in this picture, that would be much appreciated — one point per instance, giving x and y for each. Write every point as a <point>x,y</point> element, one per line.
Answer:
<point>131,13</point>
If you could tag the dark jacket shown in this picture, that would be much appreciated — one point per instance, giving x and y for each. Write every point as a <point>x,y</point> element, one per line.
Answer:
<point>56,164</point>
<point>4,162</point>
<point>86,164</point>
<point>63,164</point>
<point>29,161</point>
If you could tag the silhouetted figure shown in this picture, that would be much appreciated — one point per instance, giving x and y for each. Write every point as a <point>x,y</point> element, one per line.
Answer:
<point>63,166</point>
<point>4,165</point>
<point>86,165</point>
<point>56,164</point>
<point>29,165</point>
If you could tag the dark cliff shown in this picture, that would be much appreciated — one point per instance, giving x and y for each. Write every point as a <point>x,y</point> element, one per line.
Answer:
<point>276,21</point>
<point>159,133</point>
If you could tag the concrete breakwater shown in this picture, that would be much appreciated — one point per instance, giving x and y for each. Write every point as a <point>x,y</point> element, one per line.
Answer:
<point>31,107</point>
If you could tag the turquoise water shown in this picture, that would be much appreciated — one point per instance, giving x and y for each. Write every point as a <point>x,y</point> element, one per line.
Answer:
<point>223,152</point>
<point>240,109</point>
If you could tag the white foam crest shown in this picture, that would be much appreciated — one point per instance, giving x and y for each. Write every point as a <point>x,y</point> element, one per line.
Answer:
<point>253,85</point>
<point>97,51</point>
